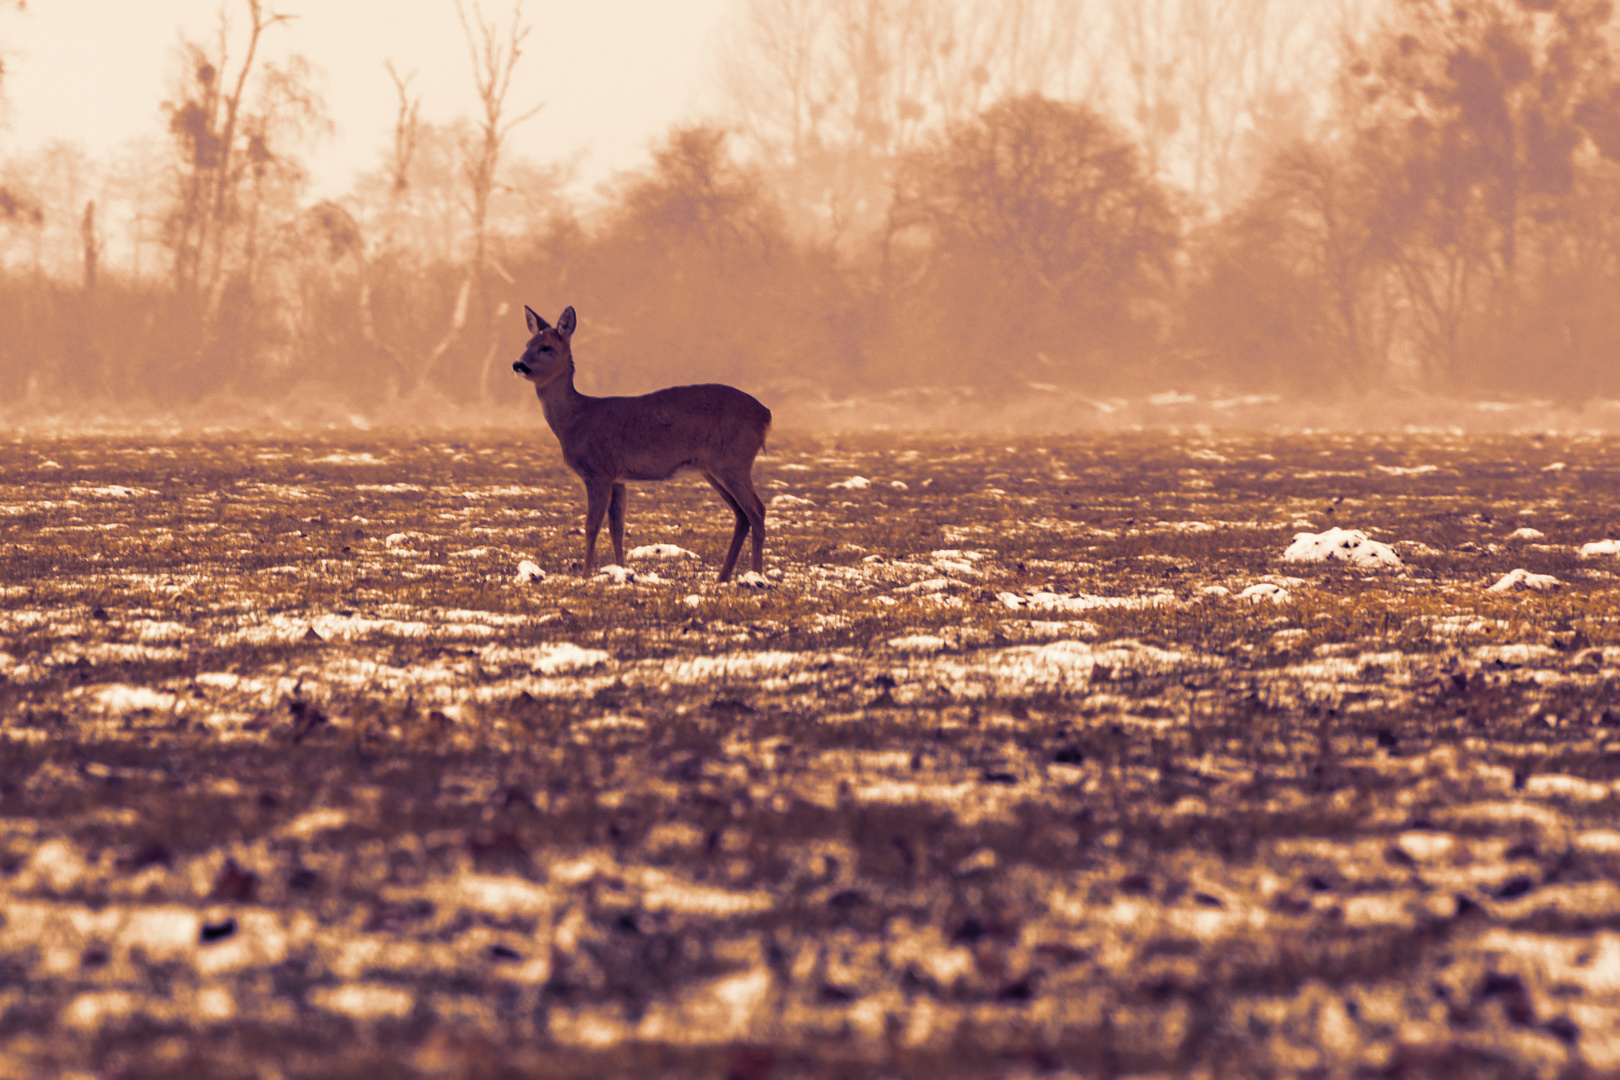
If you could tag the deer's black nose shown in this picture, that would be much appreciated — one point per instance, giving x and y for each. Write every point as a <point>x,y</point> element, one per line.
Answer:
<point>520,367</point>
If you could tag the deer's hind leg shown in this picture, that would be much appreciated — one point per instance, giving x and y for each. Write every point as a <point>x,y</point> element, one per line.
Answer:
<point>754,507</point>
<point>615,516</point>
<point>737,534</point>
<point>739,493</point>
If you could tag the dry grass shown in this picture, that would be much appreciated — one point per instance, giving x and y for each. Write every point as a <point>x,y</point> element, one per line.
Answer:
<point>423,818</point>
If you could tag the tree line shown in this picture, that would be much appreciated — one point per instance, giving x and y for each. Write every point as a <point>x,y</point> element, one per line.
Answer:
<point>1113,197</point>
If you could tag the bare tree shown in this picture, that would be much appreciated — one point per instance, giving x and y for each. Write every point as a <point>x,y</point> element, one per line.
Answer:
<point>19,210</point>
<point>90,240</point>
<point>401,157</point>
<point>1151,43</point>
<point>42,197</point>
<point>14,5</point>
<point>1480,115</point>
<point>1198,77</point>
<point>204,121</point>
<point>472,186</point>
<point>14,206</point>
<point>495,54</point>
<point>235,127</point>
<point>407,127</point>
<point>830,93</point>
<point>231,152</point>
<point>1452,220</point>
<point>398,187</point>
<point>137,197</point>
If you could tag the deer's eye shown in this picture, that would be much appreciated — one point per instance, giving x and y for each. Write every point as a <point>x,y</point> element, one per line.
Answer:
<point>545,348</point>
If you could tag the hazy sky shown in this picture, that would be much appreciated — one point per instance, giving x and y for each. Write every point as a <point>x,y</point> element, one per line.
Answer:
<point>614,74</point>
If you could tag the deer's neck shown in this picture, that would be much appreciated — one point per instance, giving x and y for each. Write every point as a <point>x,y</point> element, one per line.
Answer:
<point>560,402</point>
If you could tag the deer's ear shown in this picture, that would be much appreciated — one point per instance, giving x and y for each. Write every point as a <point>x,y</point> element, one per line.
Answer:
<point>536,323</point>
<point>566,321</point>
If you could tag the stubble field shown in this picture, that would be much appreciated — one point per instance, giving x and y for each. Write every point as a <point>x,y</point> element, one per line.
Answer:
<point>997,774</point>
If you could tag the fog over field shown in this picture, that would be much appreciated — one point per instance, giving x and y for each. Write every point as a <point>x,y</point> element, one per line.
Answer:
<point>1187,635</point>
<point>1050,214</point>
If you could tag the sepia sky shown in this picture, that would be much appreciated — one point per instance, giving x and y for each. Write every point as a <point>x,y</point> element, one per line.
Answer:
<point>614,74</point>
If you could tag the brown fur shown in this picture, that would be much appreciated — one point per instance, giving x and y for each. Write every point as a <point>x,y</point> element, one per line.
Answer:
<point>710,429</point>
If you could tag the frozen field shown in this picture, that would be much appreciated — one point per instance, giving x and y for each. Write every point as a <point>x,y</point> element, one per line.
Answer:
<point>1025,759</point>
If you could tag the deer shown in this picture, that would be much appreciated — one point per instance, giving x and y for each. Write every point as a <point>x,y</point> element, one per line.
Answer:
<point>710,429</point>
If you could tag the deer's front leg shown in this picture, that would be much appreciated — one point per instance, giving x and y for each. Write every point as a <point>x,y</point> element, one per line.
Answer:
<point>616,523</point>
<point>597,494</point>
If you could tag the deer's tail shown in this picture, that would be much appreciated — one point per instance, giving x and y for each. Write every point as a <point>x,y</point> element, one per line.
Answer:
<point>764,426</point>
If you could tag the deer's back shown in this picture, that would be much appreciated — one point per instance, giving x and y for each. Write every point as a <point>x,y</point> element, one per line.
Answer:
<point>655,435</point>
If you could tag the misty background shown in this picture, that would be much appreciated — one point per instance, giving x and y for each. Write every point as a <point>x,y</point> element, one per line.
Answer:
<point>1052,212</point>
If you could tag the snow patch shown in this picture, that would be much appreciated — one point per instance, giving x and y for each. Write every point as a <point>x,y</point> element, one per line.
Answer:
<point>1564,786</point>
<point>721,1010</point>
<point>1521,579</point>
<point>1044,600</point>
<point>661,551</point>
<point>350,627</point>
<point>87,1012</point>
<point>1067,663</point>
<point>666,892</point>
<point>365,1001</point>
<point>111,491</point>
<point>614,722</point>
<point>311,822</point>
<point>548,659</point>
<point>121,697</point>
<point>1265,590</point>
<point>155,633</point>
<point>56,865</point>
<point>1342,545</point>
<point>342,457</point>
<point>1049,628</point>
<point>702,669</point>
<point>496,895</point>
<point>918,643</point>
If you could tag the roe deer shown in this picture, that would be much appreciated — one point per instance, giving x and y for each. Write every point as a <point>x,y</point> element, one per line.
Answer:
<point>712,429</point>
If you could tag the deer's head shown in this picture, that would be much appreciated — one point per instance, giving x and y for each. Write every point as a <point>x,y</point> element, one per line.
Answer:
<point>548,355</point>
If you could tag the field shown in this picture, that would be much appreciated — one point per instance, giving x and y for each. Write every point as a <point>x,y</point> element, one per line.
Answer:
<point>995,774</point>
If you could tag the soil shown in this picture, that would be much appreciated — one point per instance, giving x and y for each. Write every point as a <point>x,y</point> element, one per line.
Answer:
<point>1024,758</point>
